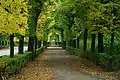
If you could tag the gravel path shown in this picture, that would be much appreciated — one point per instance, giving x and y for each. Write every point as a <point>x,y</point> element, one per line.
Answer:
<point>59,60</point>
<point>53,64</point>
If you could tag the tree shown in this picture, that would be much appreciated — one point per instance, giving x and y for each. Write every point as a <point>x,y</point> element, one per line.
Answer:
<point>21,45</point>
<point>34,8</point>
<point>45,21</point>
<point>13,18</point>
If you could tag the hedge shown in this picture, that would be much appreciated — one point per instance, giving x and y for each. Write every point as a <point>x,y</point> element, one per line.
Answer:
<point>88,55</point>
<point>10,66</point>
<point>106,61</point>
<point>109,62</point>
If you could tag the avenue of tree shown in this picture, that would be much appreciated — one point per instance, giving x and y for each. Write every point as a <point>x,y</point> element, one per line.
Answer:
<point>91,21</point>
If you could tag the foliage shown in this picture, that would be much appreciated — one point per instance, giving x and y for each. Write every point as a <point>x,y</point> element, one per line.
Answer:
<point>34,9</point>
<point>45,20</point>
<point>13,16</point>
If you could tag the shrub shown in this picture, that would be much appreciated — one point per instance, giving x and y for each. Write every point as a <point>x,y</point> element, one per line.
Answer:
<point>10,66</point>
<point>116,62</point>
<point>88,55</point>
<point>109,62</point>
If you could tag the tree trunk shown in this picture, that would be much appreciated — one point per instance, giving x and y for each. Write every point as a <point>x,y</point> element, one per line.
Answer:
<point>31,44</point>
<point>85,40</point>
<point>12,45</point>
<point>78,42</point>
<point>112,41</point>
<point>21,45</point>
<point>44,43</point>
<point>39,44</point>
<point>74,43</point>
<point>100,43</point>
<point>93,42</point>
<point>64,44</point>
<point>35,47</point>
<point>69,42</point>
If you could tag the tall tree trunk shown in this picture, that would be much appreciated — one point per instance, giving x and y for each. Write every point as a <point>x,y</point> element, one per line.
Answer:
<point>64,45</point>
<point>21,45</point>
<point>35,46</point>
<point>93,42</point>
<point>74,43</point>
<point>12,45</point>
<point>78,42</point>
<point>39,44</point>
<point>100,43</point>
<point>44,43</point>
<point>62,37</point>
<point>69,42</point>
<point>112,41</point>
<point>85,40</point>
<point>31,44</point>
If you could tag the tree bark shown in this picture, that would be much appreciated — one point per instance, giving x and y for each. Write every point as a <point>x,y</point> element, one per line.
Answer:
<point>78,42</point>
<point>100,43</point>
<point>12,45</point>
<point>35,46</point>
<point>74,43</point>
<point>21,45</point>
<point>31,44</point>
<point>93,42</point>
<point>39,44</point>
<point>64,44</point>
<point>69,42</point>
<point>112,41</point>
<point>44,43</point>
<point>85,40</point>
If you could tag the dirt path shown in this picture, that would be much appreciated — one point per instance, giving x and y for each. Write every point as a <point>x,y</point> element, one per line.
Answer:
<point>53,64</point>
<point>61,61</point>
